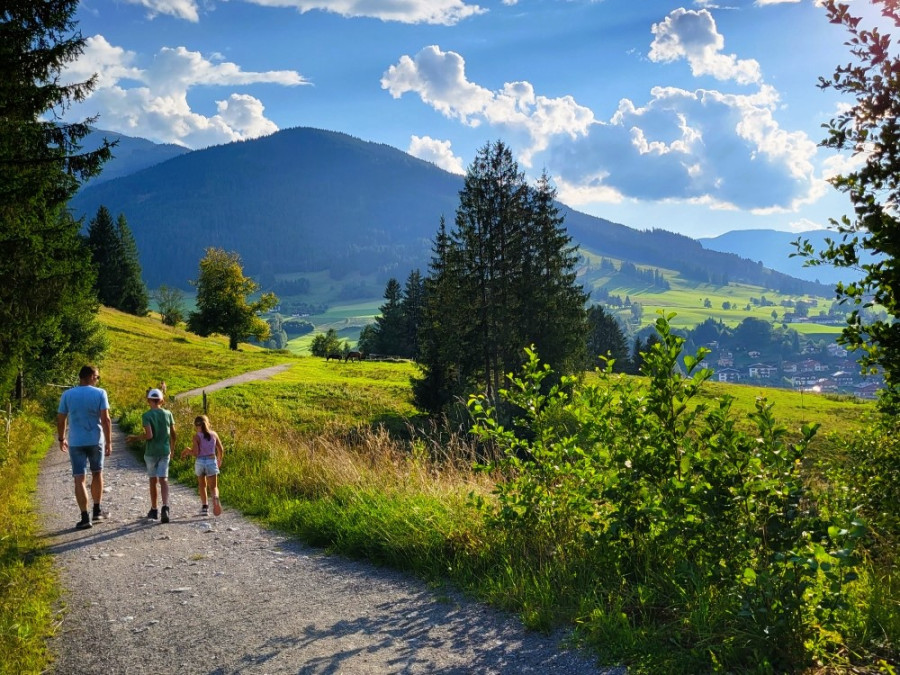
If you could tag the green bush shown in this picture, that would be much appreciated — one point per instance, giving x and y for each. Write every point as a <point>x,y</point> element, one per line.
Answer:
<point>642,506</point>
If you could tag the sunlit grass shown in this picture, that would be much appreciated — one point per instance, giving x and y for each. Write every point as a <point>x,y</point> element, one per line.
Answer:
<point>332,452</point>
<point>28,587</point>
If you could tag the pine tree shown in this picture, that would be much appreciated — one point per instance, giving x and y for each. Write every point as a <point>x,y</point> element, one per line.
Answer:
<point>412,307</point>
<point>554,304</point>
<point>390,330</point>
<point>133,297</point>
<point>489,238</point>
<point>41,167</point>
<point>106,252</point>
<point>501,280</point>
<point>439,355</point>
<point>605,338</point>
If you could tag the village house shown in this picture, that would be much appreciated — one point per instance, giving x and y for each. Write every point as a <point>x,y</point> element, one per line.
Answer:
<point>810,366</point>
<point>725,360</point>
<point>761,371</point>
<point>804,380</point>
<point>728,375</point>
<point>842,378</point>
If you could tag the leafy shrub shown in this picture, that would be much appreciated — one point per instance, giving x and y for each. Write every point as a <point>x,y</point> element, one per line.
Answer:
<point>669,515</point>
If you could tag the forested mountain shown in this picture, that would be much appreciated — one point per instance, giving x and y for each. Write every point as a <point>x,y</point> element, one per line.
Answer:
<point>130,154</point>
<point>773,249</point>
<point>303,200</point>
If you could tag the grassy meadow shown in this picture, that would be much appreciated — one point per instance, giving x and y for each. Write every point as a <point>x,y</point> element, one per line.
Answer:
<point>685,297</point>
<point>335,453</point>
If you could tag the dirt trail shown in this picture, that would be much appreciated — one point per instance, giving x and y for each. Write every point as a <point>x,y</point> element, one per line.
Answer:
<point>222,595</point>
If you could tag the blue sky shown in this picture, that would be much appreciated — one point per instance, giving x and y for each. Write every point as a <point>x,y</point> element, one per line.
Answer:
<point>697,118</point>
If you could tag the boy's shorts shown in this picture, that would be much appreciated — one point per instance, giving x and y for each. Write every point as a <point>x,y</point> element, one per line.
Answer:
<point>206,466</point>
<point>82,455</point>
<point>157,467</point>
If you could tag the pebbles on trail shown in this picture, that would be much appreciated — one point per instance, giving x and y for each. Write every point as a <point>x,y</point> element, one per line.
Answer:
<point>222,595</point>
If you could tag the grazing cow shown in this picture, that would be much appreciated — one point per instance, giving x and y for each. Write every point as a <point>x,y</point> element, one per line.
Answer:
<point>337,356</point>
<point>353,356</point>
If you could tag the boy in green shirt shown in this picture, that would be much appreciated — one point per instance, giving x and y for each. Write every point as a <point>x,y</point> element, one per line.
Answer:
<point>159,433</point>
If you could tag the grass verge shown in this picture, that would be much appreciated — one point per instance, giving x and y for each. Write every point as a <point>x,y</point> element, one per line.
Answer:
<point>28,587</point>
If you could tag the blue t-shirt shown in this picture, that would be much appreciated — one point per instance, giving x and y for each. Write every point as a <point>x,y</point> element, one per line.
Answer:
<point>83,405</point>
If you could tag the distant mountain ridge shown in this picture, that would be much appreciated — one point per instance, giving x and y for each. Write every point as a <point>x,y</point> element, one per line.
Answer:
<point>304,200</point>
<point>773,248</point>
<point>130,154</point>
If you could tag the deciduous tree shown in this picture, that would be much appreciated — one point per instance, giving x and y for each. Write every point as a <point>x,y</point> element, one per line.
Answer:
<point>223,300</point>
<point>870,129</point>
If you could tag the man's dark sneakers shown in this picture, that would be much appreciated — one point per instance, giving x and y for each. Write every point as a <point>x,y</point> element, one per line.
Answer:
<point>98,514</point>
<point>85,521</point>
<point>153,514</point>
<point>165,515</point>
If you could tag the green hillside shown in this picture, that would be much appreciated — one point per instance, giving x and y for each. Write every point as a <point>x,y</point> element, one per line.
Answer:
<point>334,453</point>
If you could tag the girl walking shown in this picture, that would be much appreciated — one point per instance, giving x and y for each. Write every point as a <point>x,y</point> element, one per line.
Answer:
<point>207,448</point>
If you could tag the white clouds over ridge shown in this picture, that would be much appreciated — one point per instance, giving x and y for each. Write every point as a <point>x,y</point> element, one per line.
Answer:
<point>439,79</point>
<point>153,100</point>
<point>437,152</point>
<point>721,149</point>
<point>447,12</point>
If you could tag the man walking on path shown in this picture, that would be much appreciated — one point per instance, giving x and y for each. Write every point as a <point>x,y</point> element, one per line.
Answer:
<point>159,432</point>
<point>84,410</point>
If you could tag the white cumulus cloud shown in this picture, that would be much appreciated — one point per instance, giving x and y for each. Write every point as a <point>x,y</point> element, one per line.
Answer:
<point>444,12</point>
<point>439,79</point>
<point>437,152</point>
<point>154,99</point>
<point>692,35</point>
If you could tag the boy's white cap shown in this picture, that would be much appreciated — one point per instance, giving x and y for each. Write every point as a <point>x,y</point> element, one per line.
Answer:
<point>155,394</point>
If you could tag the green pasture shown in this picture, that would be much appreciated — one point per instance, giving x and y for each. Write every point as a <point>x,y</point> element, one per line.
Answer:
<point>144,352</point>
<point>335,454</point>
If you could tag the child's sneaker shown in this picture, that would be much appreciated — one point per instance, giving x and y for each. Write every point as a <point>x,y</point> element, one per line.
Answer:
<point>85,521</point>
<point>98,514</point>
<point>217,507</point>
<point>165,515</point>
<point>204,510</point>
<point>153,514</point>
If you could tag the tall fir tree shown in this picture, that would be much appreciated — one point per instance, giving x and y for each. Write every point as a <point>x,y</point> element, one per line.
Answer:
<point>501,280</point>
<point>133,297</point>
<point>115,256</point>
<point>41,167</point>
<point>106,252</point>
<point>440,383</point>
<point>390,333</point>
<point>605,338</point>
<point>554,314</point>
<point>489,238</point>
<point>412,306</point>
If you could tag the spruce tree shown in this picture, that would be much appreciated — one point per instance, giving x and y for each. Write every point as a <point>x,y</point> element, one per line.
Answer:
<point>106,252</point>
<point>133,297</point>
<point>553,303</point>
<point>605,338</point>
<point>501,280</point>
<point>390,330</point>
<point>43,261</point>
<point>412,307</point>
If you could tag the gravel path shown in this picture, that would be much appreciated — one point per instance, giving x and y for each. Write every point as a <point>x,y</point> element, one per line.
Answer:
<point>221,595</point>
